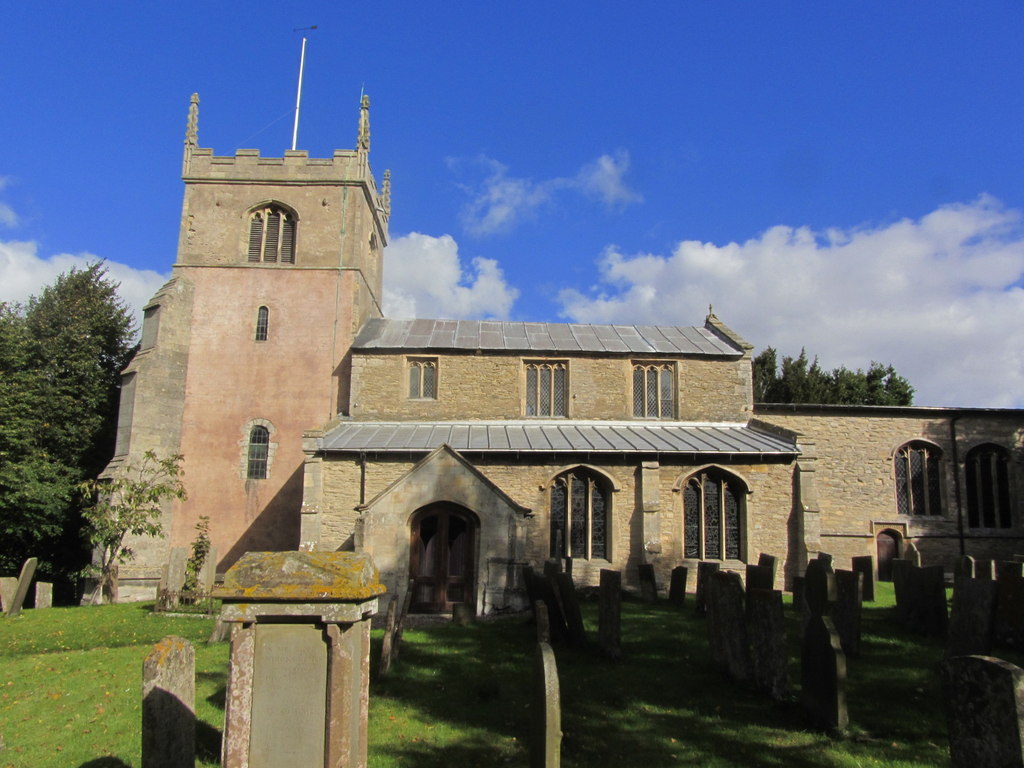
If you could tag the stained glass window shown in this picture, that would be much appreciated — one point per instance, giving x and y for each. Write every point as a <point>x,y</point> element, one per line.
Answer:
<point>579,515</point>
<point>712,517</point>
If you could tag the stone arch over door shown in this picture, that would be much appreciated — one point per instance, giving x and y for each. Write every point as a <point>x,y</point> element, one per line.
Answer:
<point>442,557</point>
<point>889,545</point>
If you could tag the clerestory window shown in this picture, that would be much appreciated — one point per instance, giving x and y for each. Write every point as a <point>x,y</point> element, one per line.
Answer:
<point>712,516</point>
<point>546,388</point>
<point>988,487</point>
<point>259,453</point>
<point>422,378</point>
<point>917,472</point>
<point>579,515</point>
<point>653,390</point>
<point>262,323</point>
<point>272,235</point>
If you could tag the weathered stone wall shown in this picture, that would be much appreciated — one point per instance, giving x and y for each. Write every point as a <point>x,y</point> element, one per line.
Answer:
<point>493,386</point>
<point>856,484</point>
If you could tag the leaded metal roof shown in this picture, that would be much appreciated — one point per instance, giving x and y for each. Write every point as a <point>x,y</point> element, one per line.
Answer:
<point>497,335</point>
<point>555,436</point>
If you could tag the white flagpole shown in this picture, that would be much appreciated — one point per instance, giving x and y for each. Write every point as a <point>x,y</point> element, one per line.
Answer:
<point>298,95</point>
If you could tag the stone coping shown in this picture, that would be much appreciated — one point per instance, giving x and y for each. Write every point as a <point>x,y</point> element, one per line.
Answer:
<point>327,613</point>
<point>301,577</point>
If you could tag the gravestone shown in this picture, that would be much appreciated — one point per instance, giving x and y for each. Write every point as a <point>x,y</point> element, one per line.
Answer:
<point>911,554</point>
<point>925,600</point>
<point>540,612</point>
<point>866,564</point>
<point>704,570</point>
<point>769,561</point>
<point>822,662</point>
<point>8,588</point>
<point>168,705</point>
<point>826,558</point>
<point>727,623</point>
<point>571,605</point>
<point>846,613</point>
<point>985,569</point>
<point>567,565</point>
<point>546,715</point>
<point>463,613</point>
<point>28,570</point>
<point>766,634</point>
<point>549,591</point>
<point>402,614</point>
<point>298,675</point>
<point>1009,616</point>
<point>985,712</point>
<point>609,622</point>
<point>972,618</point>
<point>963,566</point>
<point>900,568</point>
<point>677,586</point>
<point>648,583</point>
<point>176,563</point>
<point>44,594</point>
<point>1008,568</point>
<point>208,573</point>
<point>760,577</point>
<point>388,644</point>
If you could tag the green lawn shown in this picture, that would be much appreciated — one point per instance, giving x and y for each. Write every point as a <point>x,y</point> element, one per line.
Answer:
<point>70,683</point>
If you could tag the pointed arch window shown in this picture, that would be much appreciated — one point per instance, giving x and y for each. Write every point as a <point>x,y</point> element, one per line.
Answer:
<point>712,516</point>
<point>259,453</point>
<point>262,323</point>
<point>916,470</point>
<point>422,378</point>
<point>579,515</point>
<point>988,487</point>
<point>272,235</point>
<point>546,390</point>
<point>653,390</point>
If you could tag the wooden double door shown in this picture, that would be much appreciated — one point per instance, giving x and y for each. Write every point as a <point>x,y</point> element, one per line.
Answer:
<point>442,560</point>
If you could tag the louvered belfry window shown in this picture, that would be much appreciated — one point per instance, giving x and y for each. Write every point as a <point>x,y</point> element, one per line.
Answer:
<point>579,516</point>
<point>653,390</point>
<point>272,235</point>
<point>546,390</point>
<point>712,517</point>
<point>916,470</point>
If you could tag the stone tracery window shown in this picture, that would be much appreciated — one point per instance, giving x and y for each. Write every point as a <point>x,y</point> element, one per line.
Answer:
<point>546,388</point>
<point>272,235</point>
<point>422,378</point>
<point>579,515</point>
<point>712,516</point>
<point>917,472</point>
<point>653,390</point>
<point>988,487</point>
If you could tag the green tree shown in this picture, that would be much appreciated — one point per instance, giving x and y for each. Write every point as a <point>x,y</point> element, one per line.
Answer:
<point>60,360</point>
<point>799,380</point>
<point>128,503</point>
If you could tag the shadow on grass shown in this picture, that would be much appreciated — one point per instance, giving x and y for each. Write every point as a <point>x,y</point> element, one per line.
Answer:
<point>106,762</point>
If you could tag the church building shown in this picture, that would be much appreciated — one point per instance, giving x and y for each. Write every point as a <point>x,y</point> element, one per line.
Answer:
<point>457,452</point>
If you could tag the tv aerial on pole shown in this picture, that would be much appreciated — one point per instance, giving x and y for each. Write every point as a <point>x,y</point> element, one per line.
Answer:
<point>298,95</point>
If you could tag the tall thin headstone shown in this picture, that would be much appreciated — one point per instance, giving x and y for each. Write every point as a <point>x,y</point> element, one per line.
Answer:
<point>766,634</point>
<point>924,608</point>
<point>609,622</point>
<point>846,613</point>
<point>1009,617</point>
<point>44,594</point>
<point>176,574</point>
<point>540,612</point>
<point>760,577</point>
<point>28,570</point>
<point>985,712</point>
<point>546,719</point>
<point>677,586</point>
<point>972,618</point>
<point>571,607</point>
<point>866,564</point>
<point>8,588</point>
<point>388,645</point>
<point>727,623</point>
<point>704,570</point>
<point>822,661</point>
<point>168,705</point>
<point>648,583</point>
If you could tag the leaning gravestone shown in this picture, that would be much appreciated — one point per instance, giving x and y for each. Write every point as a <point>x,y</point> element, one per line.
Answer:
<point>866,564</point>
<point>985,712</point>
<point>727,624</point>
<point>28,570</point>
<point>8,588</point>
<point>609,622</point>
<point>769,561</point>
<point>822,662</point>
<point>846,612</point>
<point>550,594</point>
<point>168,705</point>
<point>972,619</point>
<point>1009,618</point>
<point>387,647</point>
<point>546,718</point>
<point>766,634</point>
<point>704,571</point>
<point>573,614</point>
<point>648,583</point>
<point>44,595</point>
<point>677,586</point>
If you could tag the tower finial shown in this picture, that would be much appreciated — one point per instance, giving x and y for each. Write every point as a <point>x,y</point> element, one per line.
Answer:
<point>385,195</point>
<point>363,140</point>
<point>192,131</point>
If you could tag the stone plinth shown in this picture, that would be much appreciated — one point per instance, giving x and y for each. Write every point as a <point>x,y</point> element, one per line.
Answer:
<point>298,680</point>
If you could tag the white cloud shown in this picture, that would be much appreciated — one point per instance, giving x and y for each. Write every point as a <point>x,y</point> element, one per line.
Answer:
<point>23,273</point>
<point>425,277</point>
<point>500,201</point>
<point>8,217</point>
<point>938,297</point>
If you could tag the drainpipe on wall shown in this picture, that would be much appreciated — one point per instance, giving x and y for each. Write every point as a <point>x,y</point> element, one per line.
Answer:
<point>956,485</point>
<point>362,477</point>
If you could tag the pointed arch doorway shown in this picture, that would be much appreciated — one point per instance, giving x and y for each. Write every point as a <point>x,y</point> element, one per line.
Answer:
<point>442,558</point>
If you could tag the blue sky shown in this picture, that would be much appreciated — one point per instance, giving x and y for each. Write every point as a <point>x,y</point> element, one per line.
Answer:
<point>845,177</point>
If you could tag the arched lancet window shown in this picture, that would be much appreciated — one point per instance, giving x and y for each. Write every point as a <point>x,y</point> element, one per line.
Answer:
<point>272,235</point>
<point>653,390</point>
<point>917,471</point>
<point>546,391</point>
<point>262,323</point>
<point>988,487</point>
<point>579,515</point>
<point>259,453</point>
<point>712,516</point>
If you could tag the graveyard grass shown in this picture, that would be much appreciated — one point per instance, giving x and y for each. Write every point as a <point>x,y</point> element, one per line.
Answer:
<point>70,682</point>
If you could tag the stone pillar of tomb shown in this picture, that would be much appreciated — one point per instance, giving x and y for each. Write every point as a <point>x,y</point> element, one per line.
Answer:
<point>298,679</point>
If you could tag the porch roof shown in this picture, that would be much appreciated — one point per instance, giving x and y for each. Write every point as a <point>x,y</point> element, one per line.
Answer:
<point>556,436</point>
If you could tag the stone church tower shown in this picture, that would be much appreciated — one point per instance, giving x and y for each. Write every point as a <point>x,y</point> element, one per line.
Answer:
<point>279,264</point>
